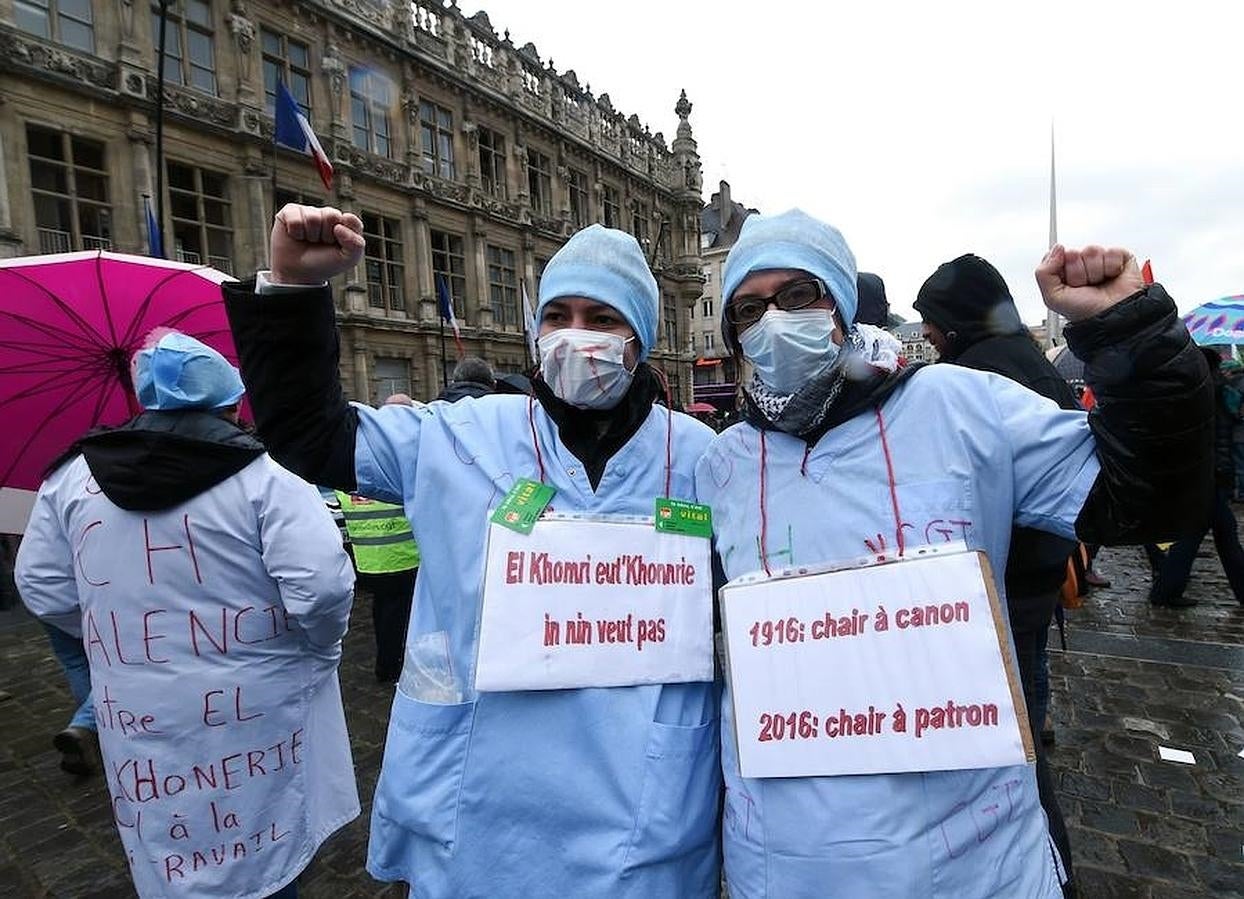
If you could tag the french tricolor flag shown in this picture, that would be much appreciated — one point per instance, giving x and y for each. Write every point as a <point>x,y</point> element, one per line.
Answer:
<point>294,131</point>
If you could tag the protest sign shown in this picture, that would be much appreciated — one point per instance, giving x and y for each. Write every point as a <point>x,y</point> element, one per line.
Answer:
<point>884,668</point>
<point>584,602</point>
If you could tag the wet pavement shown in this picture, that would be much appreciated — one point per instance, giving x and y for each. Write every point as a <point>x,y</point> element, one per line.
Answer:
<point>1133,679</point>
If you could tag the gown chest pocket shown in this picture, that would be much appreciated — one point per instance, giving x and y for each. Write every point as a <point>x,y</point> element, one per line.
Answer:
<point>933,512</point>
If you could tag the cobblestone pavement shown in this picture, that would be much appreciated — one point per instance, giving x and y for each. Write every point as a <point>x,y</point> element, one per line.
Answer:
<point>1141,827</point>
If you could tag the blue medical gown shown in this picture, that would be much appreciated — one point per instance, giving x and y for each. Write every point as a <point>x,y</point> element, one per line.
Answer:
<point>971,454</point>
<point>590,792</point>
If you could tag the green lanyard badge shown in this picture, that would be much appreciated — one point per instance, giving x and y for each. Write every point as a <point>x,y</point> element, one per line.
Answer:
<point>673,516</point>
<point>523,505</point>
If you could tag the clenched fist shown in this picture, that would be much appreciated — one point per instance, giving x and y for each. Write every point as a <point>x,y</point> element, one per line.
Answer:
<point>311,244</point>
<point>1079,284</point>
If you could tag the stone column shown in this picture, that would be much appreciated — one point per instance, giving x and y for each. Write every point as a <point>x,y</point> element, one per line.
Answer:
<point>10,242</point>
<point>479,254</point>
<point>424,284</point>
<point>140,135</point>
<point>257,229</point>
<point>362,380</point>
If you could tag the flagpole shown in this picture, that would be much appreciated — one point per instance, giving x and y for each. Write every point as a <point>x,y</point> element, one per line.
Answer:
<point>159,123</point>
<point>444,363</point>
<point>275,210</point>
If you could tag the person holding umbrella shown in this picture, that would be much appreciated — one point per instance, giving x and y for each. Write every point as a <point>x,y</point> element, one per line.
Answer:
<point>211,590</point>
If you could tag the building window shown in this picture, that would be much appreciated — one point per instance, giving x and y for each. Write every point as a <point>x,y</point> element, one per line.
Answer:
<point>492,162</point>
<point>612,205</point>
<point>389,376</point>
<point>383,262</point>
<point>449,263</point>
<point>370,101</point>
<point>693,343</point>
<point>202,222</point>
<point>67,22</point>
<point>502,287</point>
<point>540,182</point>
<point>709,342</point>
<point>284,197</point>
<point>69,186</point>
<point>287,60</point>
<point>708,307</point>
<point>671,322</point>
<point>436,125</point>
<point>576,181</point>
<point>639,223</point>
<point>189,45</point>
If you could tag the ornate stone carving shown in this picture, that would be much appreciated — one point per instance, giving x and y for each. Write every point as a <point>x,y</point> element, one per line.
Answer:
<point>35,54</point>
<point>196,105</point>
<point>127,19</point>
<point>375,166</point>
<point>243,31</point>
<point>368,11</point>
<point>333,66</point>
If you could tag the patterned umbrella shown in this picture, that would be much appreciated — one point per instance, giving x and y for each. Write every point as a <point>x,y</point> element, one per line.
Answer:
<point>69,324</point>
<point>1217,323</point>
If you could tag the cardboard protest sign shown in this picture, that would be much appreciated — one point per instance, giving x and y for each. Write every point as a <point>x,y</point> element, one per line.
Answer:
<point>886,668</point>
<point>584,602</point>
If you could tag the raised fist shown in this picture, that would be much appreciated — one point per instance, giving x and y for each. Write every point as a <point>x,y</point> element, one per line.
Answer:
<point>311,244</point>
<point>1079,284</point>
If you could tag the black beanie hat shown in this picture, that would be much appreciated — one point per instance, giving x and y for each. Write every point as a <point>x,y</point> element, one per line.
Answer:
<point>968,296</point>
<point>873,308</point>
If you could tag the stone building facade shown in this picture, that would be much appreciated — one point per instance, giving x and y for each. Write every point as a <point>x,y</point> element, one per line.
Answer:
<point>714,374</point>
<point>469,160</point>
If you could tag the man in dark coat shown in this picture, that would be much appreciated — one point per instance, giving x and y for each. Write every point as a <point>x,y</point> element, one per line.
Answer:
<point>1171,575</point>
<point>472,377</point>
<point>971,320</point>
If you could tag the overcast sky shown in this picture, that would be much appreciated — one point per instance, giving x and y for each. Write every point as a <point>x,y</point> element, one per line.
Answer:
<point>922,130</point>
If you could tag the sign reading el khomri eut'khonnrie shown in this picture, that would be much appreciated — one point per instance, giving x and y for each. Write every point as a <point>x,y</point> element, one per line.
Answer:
<point>878,669</point>
<point>594,603</point>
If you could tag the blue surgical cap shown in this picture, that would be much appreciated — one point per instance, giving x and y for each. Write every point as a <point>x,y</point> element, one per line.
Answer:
<point>794,240</point>
<point>179,372</point>
<point>607,266</point>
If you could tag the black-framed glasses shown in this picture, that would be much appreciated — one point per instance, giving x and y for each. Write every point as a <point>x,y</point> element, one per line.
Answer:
<point>747,311</point>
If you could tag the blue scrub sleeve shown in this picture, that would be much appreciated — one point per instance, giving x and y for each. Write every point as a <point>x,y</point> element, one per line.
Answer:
<point>1054,458</point>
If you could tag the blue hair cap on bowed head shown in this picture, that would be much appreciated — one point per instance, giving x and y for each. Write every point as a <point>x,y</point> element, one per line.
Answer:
<point>179,372</point>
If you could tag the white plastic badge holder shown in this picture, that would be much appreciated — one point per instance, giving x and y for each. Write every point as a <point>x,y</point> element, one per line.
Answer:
<point>594,601</point>
<point>873,668</point>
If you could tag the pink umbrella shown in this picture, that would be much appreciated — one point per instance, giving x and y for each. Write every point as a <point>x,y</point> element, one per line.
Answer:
<point>69,324</point>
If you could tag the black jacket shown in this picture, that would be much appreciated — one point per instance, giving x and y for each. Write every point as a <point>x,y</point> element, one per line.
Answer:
<point>969,301</point>
<point>1153,423</point>
<point>158,460</point>
<point>461,390</point>
<point>288,348</point>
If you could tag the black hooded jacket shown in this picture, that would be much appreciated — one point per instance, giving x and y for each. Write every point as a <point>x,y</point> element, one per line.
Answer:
<point>158,460</point>
<point>968,300</point>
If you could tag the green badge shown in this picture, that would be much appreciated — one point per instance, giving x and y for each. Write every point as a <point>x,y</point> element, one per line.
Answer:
<point>523,505</point>
<point>677,517</point>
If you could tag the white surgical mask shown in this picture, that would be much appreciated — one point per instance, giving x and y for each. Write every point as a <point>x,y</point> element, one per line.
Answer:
<point>789,349</point>
<point>585,368</point>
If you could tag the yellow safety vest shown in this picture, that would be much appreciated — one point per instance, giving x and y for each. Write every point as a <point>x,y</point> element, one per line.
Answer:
<point>380,535</point>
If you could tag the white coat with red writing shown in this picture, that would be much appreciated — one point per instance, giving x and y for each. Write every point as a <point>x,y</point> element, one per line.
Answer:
<point>211,591</point>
